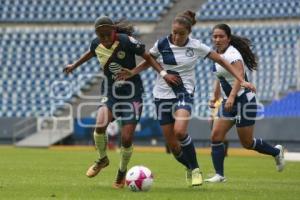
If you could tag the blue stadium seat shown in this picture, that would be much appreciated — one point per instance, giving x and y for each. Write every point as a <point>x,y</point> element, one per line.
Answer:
<point>82,10</point>
<point>254,9</point>
<point>33,62</point>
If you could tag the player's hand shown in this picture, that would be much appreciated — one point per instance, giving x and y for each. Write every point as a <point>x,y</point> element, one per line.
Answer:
<point>248,85</point>
<point>124,74</point>
<point>229,104</point>
<point>172,79</point>
<point>212,103</point>
<point>69,68</point>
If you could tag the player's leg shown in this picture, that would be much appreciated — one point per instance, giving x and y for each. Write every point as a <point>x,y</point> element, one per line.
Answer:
<point>130,116</point>
<point>219,131</point>
<point>127,132</point>
<point>245,129</point>
<point>261,146</point>
<point>104,116</point>
<point>182,117</point>
<point>225,141</point>
<point>166,120</point>
<point>174,146</point>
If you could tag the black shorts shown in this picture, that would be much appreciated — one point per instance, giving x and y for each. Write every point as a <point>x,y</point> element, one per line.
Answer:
<point>165,108</point>
<point>127,110</point>
<point>243,112</point>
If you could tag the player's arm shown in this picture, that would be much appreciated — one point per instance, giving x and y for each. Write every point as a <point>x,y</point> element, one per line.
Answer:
<point>171,79</point>
<point>125,73</point>
<point>85,57</point>
<point>238,65</point>
<point>218,59</point>
<point>148,61</point>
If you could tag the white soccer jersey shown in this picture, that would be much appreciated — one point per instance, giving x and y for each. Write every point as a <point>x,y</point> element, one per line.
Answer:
<point>179,59</point>
<point>226,78</point>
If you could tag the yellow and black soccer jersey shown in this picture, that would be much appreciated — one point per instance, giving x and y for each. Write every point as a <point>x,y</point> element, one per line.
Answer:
<point>126,48</point>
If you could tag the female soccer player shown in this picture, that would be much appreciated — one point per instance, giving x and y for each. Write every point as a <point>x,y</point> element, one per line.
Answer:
<point>115,49</point>
<point>178,54</point>
<point>239,104</point>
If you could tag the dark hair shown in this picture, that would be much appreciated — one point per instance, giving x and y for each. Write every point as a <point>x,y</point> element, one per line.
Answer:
<point>187,18</point>
<point>242,44</point>
<point>124,27</point>
<point>121,26</point>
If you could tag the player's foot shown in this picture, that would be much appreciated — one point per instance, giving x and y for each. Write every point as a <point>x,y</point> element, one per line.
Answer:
<point>188,177</point>
<point>96,168</point>
<point>279,159</point>
<point>196,177</point>
<point>216,179</point>
<point>120,180</point>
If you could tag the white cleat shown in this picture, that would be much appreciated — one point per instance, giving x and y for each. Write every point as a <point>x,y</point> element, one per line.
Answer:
<point>279,159</point>
<point>216,179</point>
<point>196,177</point>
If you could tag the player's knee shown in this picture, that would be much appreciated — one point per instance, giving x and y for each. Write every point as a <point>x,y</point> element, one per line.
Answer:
<point>126,141</point>
<point>180,134</point>
<point>215,136</point>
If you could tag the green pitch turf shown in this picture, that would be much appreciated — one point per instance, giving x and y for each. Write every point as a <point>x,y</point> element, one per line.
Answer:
<point>60,174</point>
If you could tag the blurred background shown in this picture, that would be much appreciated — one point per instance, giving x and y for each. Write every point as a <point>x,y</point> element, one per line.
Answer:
<point>40,106</point>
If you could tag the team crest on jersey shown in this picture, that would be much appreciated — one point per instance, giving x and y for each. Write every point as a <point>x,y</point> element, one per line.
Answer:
<point>189,52</point>
<point>121,54</point>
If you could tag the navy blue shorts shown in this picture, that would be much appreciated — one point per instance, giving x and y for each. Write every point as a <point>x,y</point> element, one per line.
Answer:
<point>165,108</point>
<point>127,110</point>
<point>243,112</point>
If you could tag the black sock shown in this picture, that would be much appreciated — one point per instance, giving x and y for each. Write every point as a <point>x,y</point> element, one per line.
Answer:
<point>189,152</point>
<point>218,156</point>
<point>262,147</point>
<point>181,158</point>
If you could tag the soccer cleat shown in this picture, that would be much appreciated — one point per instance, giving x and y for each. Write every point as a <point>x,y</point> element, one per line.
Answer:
<point>216,179</point>
<point>120,180</point>
<point>188,177</point>
<point>96,168</point>
<point>279,159</point>
<point>196,177</point>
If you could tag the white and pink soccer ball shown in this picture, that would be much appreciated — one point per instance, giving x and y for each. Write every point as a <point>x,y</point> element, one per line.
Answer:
<point>139,178</point>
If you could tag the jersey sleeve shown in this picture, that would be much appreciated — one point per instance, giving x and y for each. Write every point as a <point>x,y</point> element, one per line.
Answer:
<point>203,50</point>
<point>154,50</point>
<point>136,46</point>
<point>233,56</point>
<point>94,45</point>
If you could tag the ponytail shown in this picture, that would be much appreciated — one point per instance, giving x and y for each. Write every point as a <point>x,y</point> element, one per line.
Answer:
<point>243,46</point>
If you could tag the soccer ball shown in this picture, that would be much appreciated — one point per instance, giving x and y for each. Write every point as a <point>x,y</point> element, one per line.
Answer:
<point>139,178</point>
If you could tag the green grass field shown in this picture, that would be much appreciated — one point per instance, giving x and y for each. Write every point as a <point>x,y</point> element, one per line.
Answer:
<point>60,174</point>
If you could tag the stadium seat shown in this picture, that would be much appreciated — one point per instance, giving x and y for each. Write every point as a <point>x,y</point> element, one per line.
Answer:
<point>81,11</point>
<point>245,10</point>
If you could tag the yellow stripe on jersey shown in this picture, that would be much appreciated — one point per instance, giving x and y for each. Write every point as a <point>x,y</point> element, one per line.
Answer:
<point>103,53</point>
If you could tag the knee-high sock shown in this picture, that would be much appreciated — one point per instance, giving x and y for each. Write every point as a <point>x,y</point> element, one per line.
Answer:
<point>262,147</point>
<point>100,143</point>
<point>218,156</point>
<point>181,158</point>
<point>189,152</point>
<point>125,157</point>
